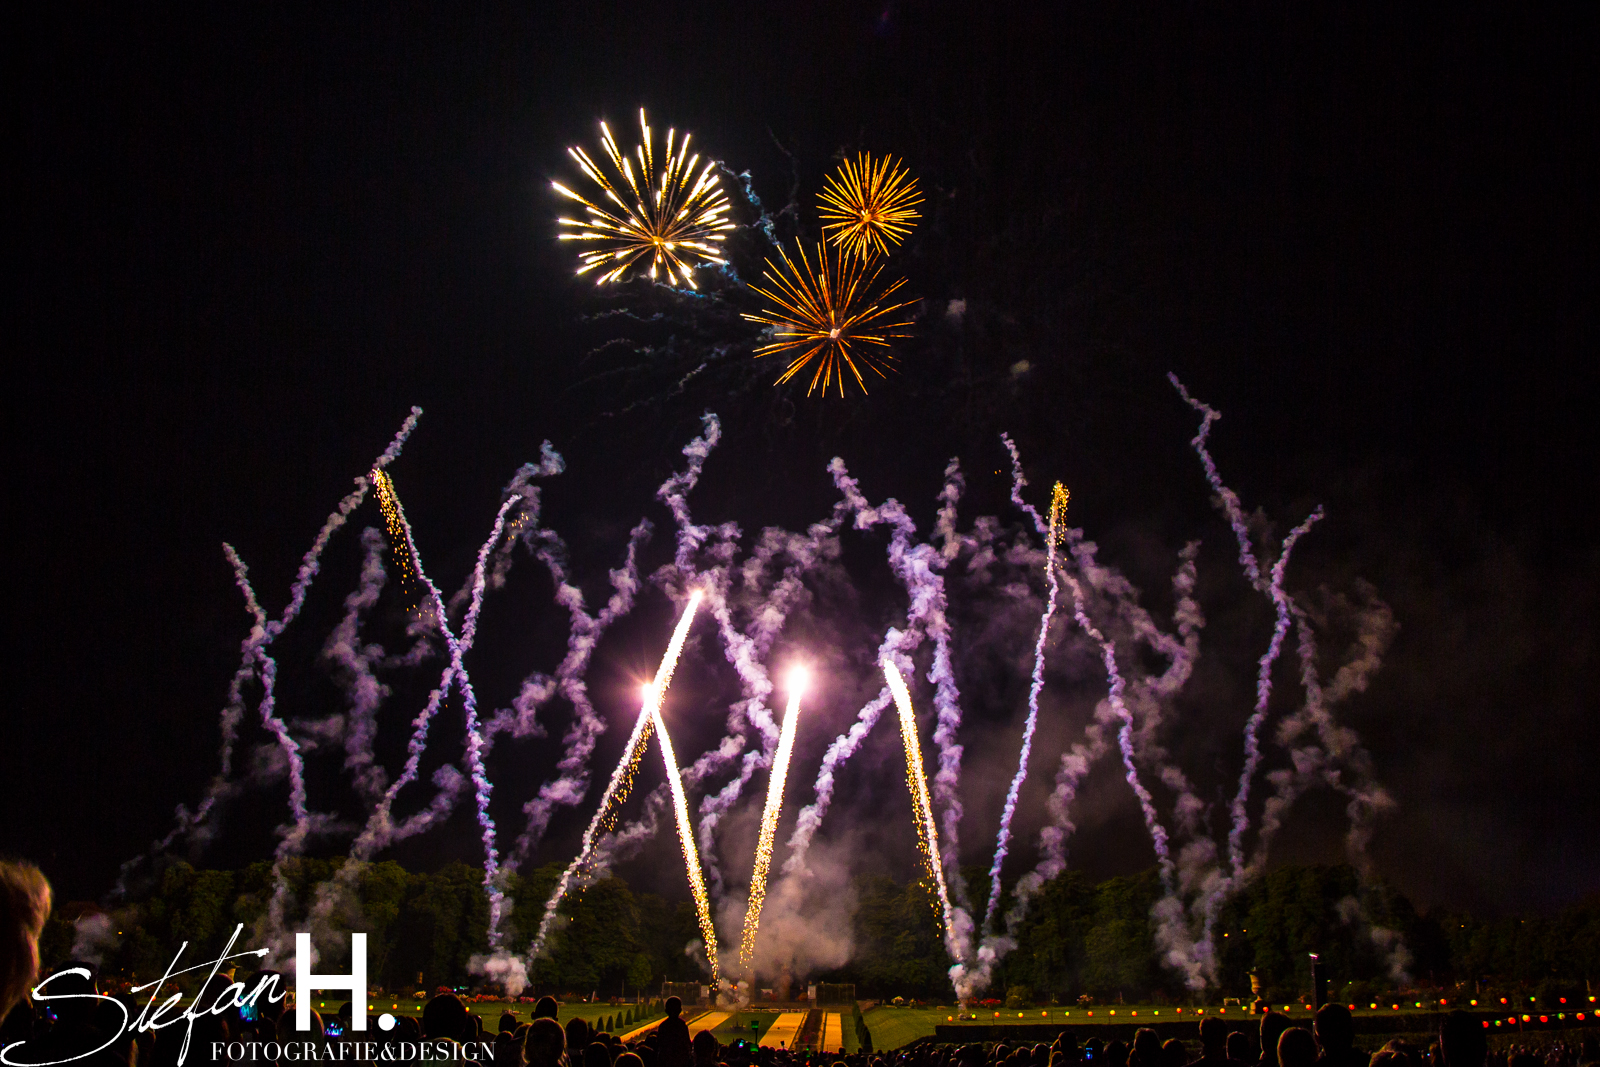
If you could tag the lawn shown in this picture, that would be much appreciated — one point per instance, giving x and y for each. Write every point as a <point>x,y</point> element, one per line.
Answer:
<point>892,1027</point>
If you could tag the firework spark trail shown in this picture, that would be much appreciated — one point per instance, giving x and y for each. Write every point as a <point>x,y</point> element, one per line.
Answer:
<point>572,781</point>
<point>691,854</point>
<point>844,746</point>
<point>927,830</point>
<point>1158,833</point>
<point>380,830</point>
<point>746,650</point>
<point>622,777</point>
<point>769,818</point>
<point>1003,838</point>
<point>190,824</point>
<point>918,567</point>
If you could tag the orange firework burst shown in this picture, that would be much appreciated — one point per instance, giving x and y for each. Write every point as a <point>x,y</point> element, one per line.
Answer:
<point>834,315</point>
<point>869,203</point>
<point>673,219</point>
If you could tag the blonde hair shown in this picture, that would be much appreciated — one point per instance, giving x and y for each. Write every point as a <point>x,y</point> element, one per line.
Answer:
<point>24,907</point>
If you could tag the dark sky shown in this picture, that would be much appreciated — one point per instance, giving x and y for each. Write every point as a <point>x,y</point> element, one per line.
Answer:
<point>246,240</point>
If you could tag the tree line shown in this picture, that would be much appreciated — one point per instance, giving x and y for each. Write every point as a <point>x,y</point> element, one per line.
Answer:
<point>1081,938</point>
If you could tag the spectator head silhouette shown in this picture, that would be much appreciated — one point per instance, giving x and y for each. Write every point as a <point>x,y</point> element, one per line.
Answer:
<point>24,907</point>
<point>544,1043</point>
<point>706,1049</point>
<point>577,1035</point>
<point>673,1007</point>
<point>1213,1037</point>
<point>1238,1046</point>
<point>1173,1053</point>
<point>1335,1029</point>
<point>1146,1048</point>
<point>1297,1048</point>
<point>1464,1044</point>
<point>508,1022</point>
<point>545,1009</point>
<point>597,1054</point>
<point>628,1059</point>
<point>446,1016</point>
<point>1273,1024</point>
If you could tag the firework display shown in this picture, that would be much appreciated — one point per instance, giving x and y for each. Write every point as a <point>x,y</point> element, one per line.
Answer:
<point>869,205</point>
<point>662,221</point>
<point>831,315</point>
<point>751,594</point>
<point>798,679</point>
<point>927,829</point>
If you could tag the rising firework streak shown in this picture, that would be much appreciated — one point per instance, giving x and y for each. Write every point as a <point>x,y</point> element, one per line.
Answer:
<point>927,831</point>
<point>622,780</point>
<point>769,816</point>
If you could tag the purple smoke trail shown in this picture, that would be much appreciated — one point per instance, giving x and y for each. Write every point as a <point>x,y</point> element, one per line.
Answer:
<point>1108,652</point>
<point>380,830</point>
<point>1273,588</point>
<point>1340,747</point>
<point>1003,839</point>
<point>572,780</point>
<point>903,642</point>
<point>1252,726</point>
<point>355,667</point>
<point>1231,508</point>
<point>189,824</point>
<point>1227,497</point>
<point>746,650</point>
<point>918,568</point>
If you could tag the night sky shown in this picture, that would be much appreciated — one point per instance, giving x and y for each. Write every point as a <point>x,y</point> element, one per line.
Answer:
<point>247,239</point>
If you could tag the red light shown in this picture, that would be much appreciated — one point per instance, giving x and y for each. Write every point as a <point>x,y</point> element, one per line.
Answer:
<point>1544,1018</point>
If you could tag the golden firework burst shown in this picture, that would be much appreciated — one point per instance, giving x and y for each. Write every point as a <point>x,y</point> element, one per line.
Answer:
<point>672,220</point>
<point>869,203</point>
<point>1058,514</point>
<point>833,314</point>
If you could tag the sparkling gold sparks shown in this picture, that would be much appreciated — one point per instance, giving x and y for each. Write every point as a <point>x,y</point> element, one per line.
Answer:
<point>832,315</point>
<point>389,504</point>
<point>867,204</point>
<point>769,817</point>
<point>680,805</point>
<point>1058,514</point>
<point>665,221</point>
<point>927,830</point>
